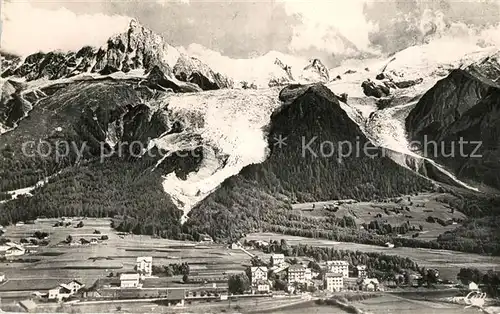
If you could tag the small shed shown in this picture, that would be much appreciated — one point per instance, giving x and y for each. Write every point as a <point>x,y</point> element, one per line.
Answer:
<point>473,286</point>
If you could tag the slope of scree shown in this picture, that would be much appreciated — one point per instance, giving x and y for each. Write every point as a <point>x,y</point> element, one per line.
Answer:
<point>461,107</point>
<point>261,193</point>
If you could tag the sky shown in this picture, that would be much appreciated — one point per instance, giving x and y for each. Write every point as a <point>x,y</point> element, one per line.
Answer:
<point>328,29</point>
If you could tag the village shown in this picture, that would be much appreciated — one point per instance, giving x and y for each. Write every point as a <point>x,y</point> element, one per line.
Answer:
<point>167,281</point>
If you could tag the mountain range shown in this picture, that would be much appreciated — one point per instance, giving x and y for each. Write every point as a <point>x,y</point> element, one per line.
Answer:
<point>193,148</point>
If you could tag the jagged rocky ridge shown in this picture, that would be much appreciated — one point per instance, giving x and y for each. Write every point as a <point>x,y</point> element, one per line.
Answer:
<point>138,48</point>
<point>138,52</point>
<point>313,72</point>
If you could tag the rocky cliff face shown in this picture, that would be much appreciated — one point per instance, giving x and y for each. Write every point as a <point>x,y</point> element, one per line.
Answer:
<point>462,107</point>
<point>8,62</point>
<point>192,70</point>
<point>371,89</point>
<point>13,106</point>
<point>157,79</point>
<point>316,71</point>
<point>444,104</point>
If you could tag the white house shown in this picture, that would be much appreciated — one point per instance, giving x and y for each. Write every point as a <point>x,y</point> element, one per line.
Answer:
<point>473,286</point>
<point>389,245</point>
<point>334,282</point>
<point>129,280</point>
<point>277,259</point>
<point>259,273</point>
<point>144,265</point>
<point>74,286</point>
<point>371,284</point>
<point>338,267</point>
<point>2,277</point>
<point>65,290</point>
<point>12,249</point>
<point>59,293</point>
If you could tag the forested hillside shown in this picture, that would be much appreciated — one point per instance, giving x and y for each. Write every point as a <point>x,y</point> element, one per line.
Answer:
<point>130,188</point>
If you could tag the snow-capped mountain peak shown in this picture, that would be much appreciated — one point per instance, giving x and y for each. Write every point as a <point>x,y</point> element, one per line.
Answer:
<point>136,48</point>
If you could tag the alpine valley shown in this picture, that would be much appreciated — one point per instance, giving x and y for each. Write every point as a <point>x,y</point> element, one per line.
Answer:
<point>175,145</point>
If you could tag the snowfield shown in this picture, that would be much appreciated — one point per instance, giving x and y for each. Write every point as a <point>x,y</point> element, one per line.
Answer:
<point>259,70</point>
<point>229,125</point>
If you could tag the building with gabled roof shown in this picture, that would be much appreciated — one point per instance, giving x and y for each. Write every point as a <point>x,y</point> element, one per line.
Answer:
<point>370,284</point>
<point>258,273</point>
<point>11,249</point>
<point>65,290</point>
<point>59,293</point>
<point>277,259</point>
<point>74,286</point>
<point>174,297</point>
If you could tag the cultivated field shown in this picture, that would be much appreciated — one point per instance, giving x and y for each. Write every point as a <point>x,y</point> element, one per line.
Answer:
<point>448,262</point>
<point>414,209</point>
<point>47,266</point>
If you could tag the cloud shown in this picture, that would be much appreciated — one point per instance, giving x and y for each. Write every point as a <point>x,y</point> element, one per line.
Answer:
<point>338,27</point>
<point>404,24</point>
<point>361,27</point>
<point>27,29</point>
